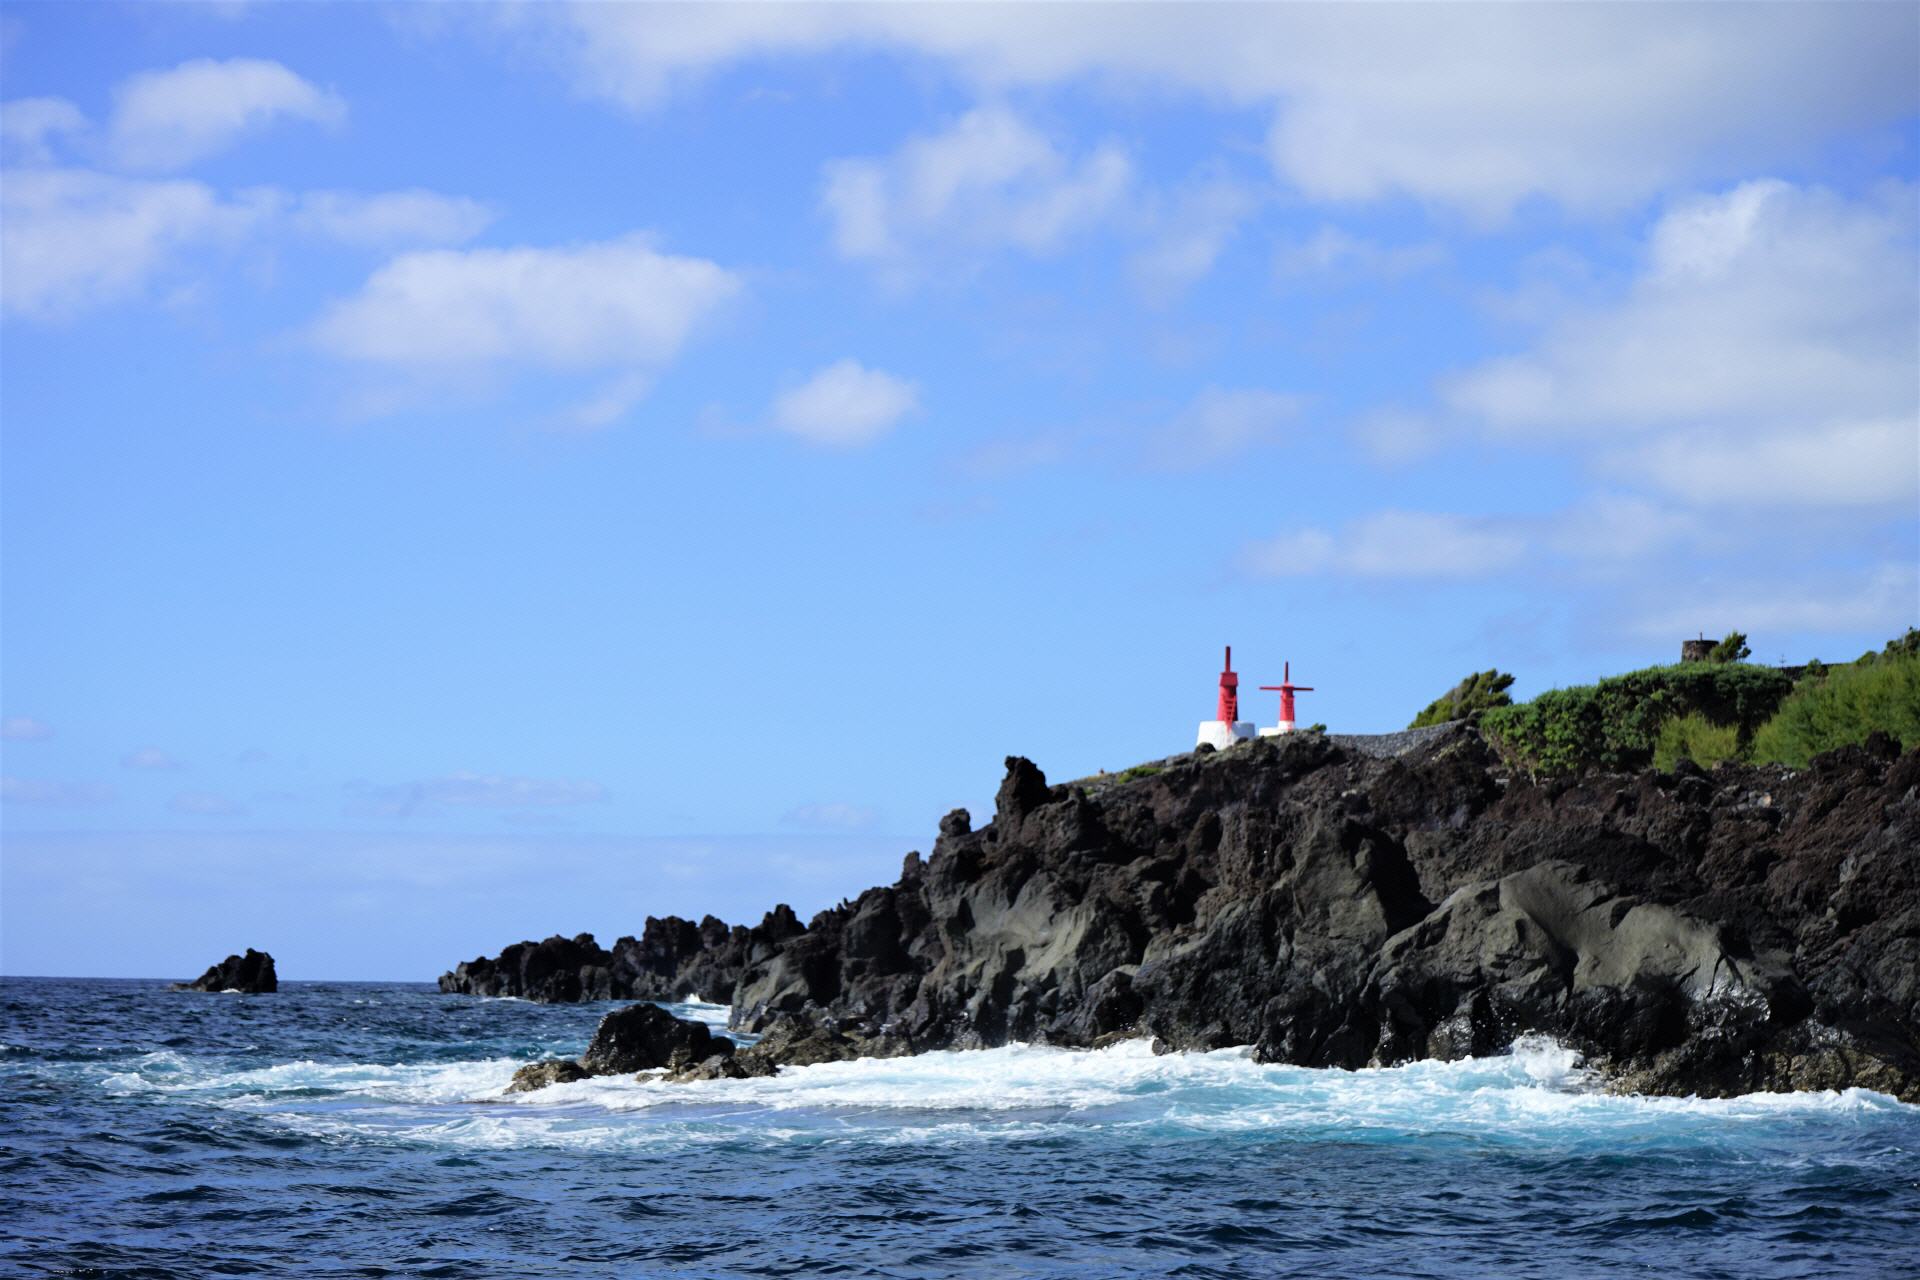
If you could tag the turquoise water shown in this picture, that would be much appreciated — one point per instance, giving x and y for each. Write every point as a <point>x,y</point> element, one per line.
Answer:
<point>359,1130</point>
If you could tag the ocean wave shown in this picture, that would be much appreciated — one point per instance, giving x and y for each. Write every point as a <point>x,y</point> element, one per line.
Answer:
<point>1538,1092</point>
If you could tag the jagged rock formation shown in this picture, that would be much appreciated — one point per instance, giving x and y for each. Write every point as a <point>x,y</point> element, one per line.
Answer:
<point>252,974</point>
<point>1692,933</point>
<point>673,959</point>
<point>1753,928</point>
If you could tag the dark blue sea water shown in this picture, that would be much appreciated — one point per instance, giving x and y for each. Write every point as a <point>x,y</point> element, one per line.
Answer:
<point>359,1130</point>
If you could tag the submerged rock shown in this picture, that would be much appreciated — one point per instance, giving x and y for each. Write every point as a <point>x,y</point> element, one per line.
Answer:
<point>538,1075</point>
<point>251,974</point>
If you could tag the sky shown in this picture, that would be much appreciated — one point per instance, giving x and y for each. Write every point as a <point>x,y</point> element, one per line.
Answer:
<point>470,473</point>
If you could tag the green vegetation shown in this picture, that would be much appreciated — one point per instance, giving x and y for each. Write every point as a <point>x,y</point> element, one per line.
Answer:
<point>1732,649</point>
<point>1481,691</point>
<point>1843,705</point>
<point>1906,645</point>
<point>1714,711</point>
<point>1139,771</point>
<point>1616,723</point>
<point>1696,738</point>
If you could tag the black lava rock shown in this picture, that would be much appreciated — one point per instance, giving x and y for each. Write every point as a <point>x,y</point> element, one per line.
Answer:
<point>645,1037</point>
<point>251,974</point>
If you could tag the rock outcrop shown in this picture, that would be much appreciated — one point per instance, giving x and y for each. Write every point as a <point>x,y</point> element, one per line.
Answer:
<point>538,1075</point>
<point>672,959</point>
<point>251,974</point>
<point>645,1037</point>
<point>1753,928</point>
<point>641,1039</point>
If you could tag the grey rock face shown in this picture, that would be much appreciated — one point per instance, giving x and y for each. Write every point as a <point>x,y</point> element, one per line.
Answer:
<point>1691,933</point>
<point>1753,928</point>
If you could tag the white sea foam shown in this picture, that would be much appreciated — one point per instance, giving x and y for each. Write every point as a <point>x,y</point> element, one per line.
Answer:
<point>1537,1092</point>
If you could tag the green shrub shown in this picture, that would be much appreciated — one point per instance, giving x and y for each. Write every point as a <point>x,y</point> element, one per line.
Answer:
<point>1696,738</point>
<point>1481,691</point>
<point>1616,723</point>
<point>1732,649</point>
<point>1843,705</point>
<point>1139,771</point>
<point>1904,646</point>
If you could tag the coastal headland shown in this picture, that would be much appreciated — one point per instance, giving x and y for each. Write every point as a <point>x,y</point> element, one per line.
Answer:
<point>1334,905</point>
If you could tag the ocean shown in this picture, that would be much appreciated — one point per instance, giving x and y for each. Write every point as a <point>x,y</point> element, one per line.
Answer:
<point>358,1130</point>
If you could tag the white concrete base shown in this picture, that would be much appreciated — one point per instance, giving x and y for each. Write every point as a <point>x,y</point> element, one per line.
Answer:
<point>1220,735</point>
<point>1285,726</point>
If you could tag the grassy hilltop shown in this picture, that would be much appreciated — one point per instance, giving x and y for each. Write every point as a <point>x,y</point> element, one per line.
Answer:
<point>1707,712</point>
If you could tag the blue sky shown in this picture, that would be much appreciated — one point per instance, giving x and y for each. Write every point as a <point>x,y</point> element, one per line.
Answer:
<point>471,473</point>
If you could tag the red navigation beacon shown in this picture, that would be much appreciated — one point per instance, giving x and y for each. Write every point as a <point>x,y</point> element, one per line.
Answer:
<point>1228,709</point>
<point>1286,689</point>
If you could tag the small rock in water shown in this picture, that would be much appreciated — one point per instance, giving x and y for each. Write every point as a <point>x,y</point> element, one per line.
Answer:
<point>252,974</point>
<point>642,1037</point>
<point>538,1075</point>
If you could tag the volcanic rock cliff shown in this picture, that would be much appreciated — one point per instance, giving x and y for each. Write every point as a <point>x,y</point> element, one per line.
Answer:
<point>1752,928</point>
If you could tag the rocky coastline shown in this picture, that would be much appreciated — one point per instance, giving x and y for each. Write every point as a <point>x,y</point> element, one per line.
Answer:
<point>1752,928</point>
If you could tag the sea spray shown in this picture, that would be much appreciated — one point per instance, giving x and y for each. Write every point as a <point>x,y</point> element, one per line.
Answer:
<point>344,1128</point>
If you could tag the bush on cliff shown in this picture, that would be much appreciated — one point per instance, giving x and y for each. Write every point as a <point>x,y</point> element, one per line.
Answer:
<point>1838,706</point>
<point>1696,738</point>
<point>1616,723</point>
<point>1731,649</point>
<point>1481,691</point>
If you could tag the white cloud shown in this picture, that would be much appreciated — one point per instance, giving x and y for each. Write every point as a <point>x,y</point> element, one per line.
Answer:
<point>53,795</point>
<point>1390,544</point>
<point>1333,251</point>
<point>28,127</point>
<point>988,182</point>
<point>390,218</point>
<point>1882,599</point>
<point>25,729</point>
<point>1295,554</point>
<point>149,758</point>
<point>204,804</point>
<point>1767,301</point>
<point>617,304</point>
<point>1393,436</point>
<point>169,119</point>
<point>1838,464</point>
<point>832,816</point>
<point>1221,423</point>
<point>474,790</point>
<point>76,240</point>
<point>1473,107</point>
<point>1767,351</point>
<point>1621,528</point>
<point>845,404</point>
<point>1189,236</point>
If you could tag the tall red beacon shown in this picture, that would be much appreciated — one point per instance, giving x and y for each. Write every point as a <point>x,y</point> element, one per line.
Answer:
<point>1286,689</point>
<point>1228,709</point>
